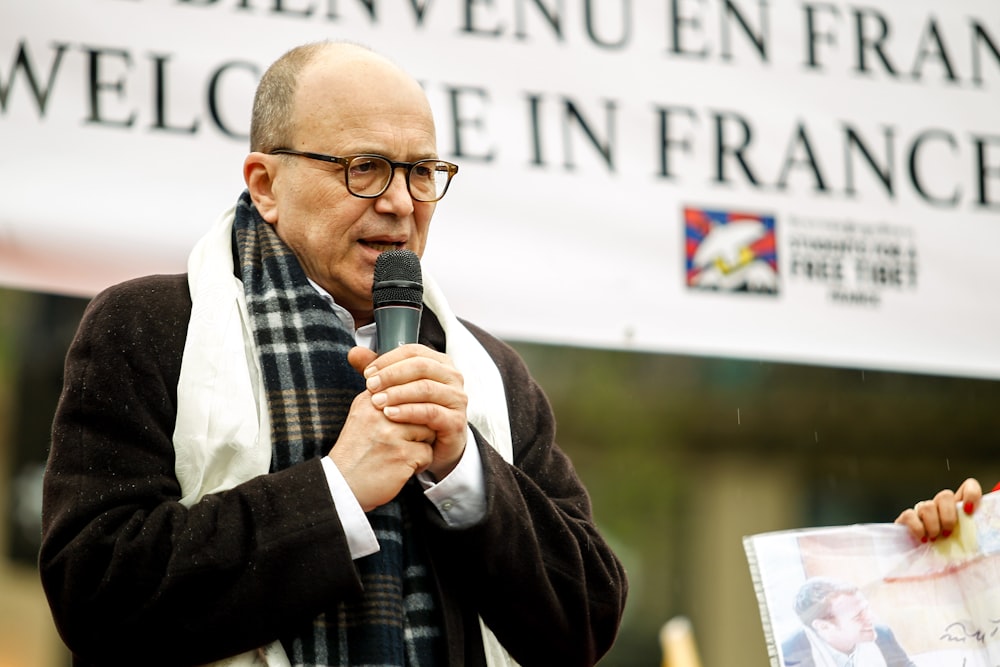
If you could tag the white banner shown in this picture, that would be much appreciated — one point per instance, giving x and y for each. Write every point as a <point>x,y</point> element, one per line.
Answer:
<point>811,181</point>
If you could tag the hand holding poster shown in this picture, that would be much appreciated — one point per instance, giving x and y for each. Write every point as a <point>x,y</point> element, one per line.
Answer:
<point>869,596</point>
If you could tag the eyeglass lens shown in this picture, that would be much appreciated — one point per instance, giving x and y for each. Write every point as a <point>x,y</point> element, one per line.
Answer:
<point>368,175</point>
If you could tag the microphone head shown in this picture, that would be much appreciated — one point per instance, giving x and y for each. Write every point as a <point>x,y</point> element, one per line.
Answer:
<point>398,280</point>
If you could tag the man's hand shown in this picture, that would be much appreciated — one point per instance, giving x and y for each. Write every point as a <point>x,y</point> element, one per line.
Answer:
<point>412,419</point>
<point>930,519</point>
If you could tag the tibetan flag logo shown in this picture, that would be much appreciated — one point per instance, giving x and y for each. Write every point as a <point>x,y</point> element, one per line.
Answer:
<point>730,251</point>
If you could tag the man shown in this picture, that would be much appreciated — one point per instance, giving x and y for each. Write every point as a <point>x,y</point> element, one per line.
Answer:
<point>232,479</point>
<point>839,630</point>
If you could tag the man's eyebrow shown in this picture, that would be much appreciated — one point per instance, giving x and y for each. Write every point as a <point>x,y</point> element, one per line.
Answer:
<point>409,157</point>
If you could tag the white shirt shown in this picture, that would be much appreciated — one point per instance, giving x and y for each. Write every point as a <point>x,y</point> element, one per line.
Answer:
<point>460,497</point>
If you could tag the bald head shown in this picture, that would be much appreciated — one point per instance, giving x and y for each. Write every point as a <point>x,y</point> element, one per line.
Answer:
<point>316,84</point>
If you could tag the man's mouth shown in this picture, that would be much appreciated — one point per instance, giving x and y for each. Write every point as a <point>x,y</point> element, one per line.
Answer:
<point>382,246</point>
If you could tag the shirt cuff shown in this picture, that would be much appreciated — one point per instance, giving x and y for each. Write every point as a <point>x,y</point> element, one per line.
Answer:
<point>461,496</point>
<point>361,538</point>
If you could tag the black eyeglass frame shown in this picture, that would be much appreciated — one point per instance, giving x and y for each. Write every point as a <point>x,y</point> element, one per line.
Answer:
<point>345,162</point>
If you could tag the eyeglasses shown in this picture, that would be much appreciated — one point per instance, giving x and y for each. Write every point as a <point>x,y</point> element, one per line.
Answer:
<point>369,176</point>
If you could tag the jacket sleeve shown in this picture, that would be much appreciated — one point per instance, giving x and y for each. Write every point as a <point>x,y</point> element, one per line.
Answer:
<point>131,575</point>
<point>538,571</point>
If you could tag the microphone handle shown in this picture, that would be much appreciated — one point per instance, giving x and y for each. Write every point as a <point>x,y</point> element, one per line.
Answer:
<point>396,325</point>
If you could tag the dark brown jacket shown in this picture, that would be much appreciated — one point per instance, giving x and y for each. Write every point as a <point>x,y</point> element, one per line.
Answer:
<point>135,578</point>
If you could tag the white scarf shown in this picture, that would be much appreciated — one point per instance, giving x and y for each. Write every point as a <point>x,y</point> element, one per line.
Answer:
<point>223,433</point>
<point>866,654</point>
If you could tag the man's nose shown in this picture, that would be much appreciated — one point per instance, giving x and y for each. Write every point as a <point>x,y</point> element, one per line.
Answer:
<point>396,198</point>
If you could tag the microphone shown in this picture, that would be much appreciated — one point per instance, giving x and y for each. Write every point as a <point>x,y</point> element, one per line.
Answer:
<point>398,299</point>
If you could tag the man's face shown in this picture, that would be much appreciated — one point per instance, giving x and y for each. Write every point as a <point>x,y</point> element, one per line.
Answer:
<point>850,623</point>
<point>346,107</point>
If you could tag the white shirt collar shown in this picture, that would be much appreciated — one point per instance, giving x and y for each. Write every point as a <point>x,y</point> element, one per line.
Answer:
<point>365,336</point>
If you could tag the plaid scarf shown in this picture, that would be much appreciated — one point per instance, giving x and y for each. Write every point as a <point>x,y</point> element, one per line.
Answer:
<point>310,386</point>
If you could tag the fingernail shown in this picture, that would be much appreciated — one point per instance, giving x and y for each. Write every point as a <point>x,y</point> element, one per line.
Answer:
<point>391,411</point>
<point>380,399</point>
<point>968,507</point>
<point>924,539</point>
<point>945,533</point>
<point>370,371</point>
<point>373,383</point>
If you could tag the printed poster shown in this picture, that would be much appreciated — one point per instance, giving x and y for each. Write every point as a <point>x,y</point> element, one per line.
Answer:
<point>868,595</point>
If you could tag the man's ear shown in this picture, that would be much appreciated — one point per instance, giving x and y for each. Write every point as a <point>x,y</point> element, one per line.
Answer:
<point>258,173</point>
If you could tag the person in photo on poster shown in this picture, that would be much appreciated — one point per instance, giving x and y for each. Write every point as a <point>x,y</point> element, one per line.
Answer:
<point>839,630</point>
